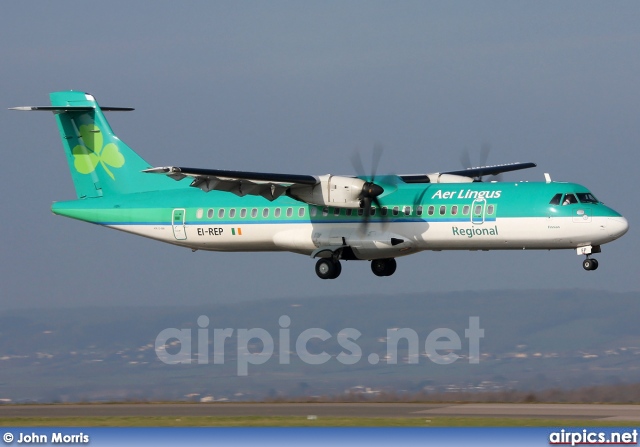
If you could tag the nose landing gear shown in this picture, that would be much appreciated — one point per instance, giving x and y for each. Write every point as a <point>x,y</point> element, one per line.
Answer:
<point>590,264</point>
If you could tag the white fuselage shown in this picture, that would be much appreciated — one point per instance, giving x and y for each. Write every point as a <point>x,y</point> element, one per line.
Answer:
<point>305,238</point>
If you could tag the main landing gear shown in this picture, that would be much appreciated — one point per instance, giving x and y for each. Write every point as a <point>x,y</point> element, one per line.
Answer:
<point>590,264</point>
<point>330,268</point>
<point>383,267</point>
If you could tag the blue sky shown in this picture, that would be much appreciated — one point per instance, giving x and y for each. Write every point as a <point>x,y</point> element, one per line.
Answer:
<point>297,87</point>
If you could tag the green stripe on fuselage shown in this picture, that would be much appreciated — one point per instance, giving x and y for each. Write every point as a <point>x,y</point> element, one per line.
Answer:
<point>509,200</point>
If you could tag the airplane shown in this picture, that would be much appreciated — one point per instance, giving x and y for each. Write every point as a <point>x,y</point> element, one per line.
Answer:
<point>329,217</point>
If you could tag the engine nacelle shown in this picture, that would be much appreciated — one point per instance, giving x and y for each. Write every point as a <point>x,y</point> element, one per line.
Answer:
<point>333,190</point>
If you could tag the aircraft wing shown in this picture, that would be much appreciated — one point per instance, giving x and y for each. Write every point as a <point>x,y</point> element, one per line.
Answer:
<point>473,173</point>
<point>491,170</point>
<point>302,187</point>
<point>241,183</point>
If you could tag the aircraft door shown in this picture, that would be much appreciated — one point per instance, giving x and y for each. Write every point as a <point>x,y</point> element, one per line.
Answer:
<point>178,224</point>
<point>478,210</point>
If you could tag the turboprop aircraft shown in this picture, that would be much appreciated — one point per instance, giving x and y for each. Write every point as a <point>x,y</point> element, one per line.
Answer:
<point>329,217</point>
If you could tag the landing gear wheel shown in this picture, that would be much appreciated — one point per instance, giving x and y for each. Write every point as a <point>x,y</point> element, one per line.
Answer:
<point>328,268</point>
<point>338,267</point>
<point>590,264</point>
<point>378,266</point>
<point>391,267</point>
<point>383,267</point>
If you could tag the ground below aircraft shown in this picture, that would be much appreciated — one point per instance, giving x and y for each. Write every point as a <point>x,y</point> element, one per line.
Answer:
<point>329,217</point>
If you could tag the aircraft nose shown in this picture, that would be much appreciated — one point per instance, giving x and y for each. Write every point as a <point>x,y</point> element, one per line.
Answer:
<point>617,226</point>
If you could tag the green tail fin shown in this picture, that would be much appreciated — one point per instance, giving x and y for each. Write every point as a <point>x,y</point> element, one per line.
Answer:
<point>100,163</point>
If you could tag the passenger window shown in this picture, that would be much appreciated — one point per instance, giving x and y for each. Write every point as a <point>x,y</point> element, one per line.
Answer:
<point>289,212</point>
<point>301,212</point>
<point>221,213</point>
<point>210,213</point>
<point>396,210</point>
<point>431,210</point>
<point>443,210</point>
<point>384,211</point>
<point>478,210</point>
<point>232,213</point>
<point>243,213</point>
<point>419,210</point>
<point>360,212</point>
<point>454,210</point>
<point>325,211</point>
<point>313,211</point>
<point>254,212</point>
<point>372,211</point>
<point>490,210</point>
<point>277,212</point>
<point>199,213</point>
<point>265,212</point>
<point>556,199</point>
<point>407,210</point>
<point>349,211</point>
<point>569,199</point>
<point>465,210</point>
<point>336,211</point>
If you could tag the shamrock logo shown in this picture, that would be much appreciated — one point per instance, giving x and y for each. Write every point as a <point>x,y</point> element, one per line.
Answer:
<point>88,155</point>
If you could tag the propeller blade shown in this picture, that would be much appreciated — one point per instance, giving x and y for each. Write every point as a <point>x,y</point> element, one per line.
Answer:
<point>485,149</point>
<point>366,214</point>
<point>419,197</point>
<point>383,218</point>
<point>465,160</point>
<point>370,190</point>
<point>356,162</point>
<point>375,160</point>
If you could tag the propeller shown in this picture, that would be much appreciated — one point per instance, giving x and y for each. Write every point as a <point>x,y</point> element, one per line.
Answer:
<point>370,190</point>
<point>465,160</point>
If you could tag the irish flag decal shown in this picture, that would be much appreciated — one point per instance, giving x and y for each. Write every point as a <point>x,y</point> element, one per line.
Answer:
<point>236,231</point>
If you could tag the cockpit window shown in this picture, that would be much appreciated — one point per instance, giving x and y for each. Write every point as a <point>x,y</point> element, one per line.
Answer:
<point>556,199</point>
<point>587,197</point>
<point>569,199</point>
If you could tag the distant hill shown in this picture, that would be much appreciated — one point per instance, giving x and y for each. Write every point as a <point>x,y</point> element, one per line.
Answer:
<point>532,340</point>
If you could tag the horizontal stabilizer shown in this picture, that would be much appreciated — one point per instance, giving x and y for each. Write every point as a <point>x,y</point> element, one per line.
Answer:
<point>61,109</point>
